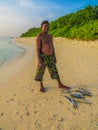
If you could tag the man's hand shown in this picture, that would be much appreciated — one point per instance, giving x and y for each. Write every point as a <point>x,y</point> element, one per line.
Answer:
<point>40,63</point>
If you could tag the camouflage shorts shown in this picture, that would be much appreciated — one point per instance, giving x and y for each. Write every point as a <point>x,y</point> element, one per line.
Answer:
<point>47,61</point>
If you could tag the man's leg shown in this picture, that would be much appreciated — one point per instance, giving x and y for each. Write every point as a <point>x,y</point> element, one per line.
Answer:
<point>60,85</point>
<point>42,89</point>
<point>39,77</point>
<point>54,74</point>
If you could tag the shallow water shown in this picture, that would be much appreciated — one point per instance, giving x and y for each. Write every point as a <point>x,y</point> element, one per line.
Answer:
<point>9,50</point>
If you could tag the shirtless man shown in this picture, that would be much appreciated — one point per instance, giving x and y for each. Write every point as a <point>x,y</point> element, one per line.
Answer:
<point>46,57</point>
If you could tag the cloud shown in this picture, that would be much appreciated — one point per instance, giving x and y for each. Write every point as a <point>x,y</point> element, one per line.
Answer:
<point>25,3</point>
<point>13,20</point>
<point>17,16</point>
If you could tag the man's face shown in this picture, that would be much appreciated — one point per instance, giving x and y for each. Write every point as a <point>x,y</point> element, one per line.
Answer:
<point>45,27</point>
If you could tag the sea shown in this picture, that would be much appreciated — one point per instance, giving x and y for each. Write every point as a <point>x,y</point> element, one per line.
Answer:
<point>9,50</point>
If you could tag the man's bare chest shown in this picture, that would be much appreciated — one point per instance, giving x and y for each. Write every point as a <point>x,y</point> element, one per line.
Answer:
<point>46,40</point>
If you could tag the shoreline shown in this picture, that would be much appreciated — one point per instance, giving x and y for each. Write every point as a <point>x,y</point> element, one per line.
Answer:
<point>23,106</point>
<point>13,66</point>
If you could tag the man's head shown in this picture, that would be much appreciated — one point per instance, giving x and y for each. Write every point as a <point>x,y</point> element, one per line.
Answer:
<point>45,26</point>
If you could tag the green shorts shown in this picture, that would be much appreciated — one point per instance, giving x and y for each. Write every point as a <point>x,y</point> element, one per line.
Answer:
<point>47,61</point>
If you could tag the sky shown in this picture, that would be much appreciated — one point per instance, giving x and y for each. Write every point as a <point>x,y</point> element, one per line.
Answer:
<point>17,16</point>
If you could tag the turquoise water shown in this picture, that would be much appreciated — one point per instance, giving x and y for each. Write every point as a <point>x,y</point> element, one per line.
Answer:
<point>8,50</point>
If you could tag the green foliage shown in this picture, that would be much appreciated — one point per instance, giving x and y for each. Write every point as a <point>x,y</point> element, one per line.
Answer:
<point>80,25</point>
<point>87,32</point>
<point>31,32</point>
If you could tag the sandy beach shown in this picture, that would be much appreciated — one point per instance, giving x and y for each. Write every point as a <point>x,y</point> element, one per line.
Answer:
<point>24,107</point>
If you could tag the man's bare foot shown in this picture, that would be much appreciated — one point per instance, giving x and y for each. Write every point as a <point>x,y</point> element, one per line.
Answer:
<point>64,87</point>
<point>42,89</point>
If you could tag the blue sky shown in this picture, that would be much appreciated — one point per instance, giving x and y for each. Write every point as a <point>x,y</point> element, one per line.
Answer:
<point>17,16</point>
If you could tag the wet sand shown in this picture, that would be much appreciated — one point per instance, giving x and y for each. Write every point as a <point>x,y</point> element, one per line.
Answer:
<point>12,67</point>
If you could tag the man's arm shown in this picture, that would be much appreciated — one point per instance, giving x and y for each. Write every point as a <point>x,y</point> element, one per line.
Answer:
<point>38,50</point>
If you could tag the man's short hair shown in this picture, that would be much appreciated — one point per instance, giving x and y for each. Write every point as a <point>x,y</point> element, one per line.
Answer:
<point>43,22</point>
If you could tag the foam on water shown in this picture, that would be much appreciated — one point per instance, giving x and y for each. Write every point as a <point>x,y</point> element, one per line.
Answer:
<point>9,50</point>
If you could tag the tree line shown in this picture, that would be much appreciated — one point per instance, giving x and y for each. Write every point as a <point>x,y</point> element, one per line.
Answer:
<point>82,25</point>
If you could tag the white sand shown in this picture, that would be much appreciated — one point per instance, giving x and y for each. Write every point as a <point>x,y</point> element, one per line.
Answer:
<point>22,106</point>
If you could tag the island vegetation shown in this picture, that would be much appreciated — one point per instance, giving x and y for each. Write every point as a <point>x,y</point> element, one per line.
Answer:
<point>81,25</point>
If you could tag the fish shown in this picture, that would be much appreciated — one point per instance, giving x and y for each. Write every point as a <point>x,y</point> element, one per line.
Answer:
<point>71,101</point>
<point>77,95</point>
<point>84,101</point>
<point>84,92</point>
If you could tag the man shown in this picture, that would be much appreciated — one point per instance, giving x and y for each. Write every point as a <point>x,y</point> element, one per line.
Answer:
<point>46,57</point>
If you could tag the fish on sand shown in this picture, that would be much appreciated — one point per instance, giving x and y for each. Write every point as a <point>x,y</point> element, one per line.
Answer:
<point>84,92</point>
<point>71,101</point>
<point>77,95</point>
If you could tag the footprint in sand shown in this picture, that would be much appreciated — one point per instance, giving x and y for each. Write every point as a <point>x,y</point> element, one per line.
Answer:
<point>27,113</point>
<point>10,100</point>
<point>57,127</point>
<point>2,114</point>
<point>16,116</point>
<point>14,95</point>
<point>95,121</point>
<point>37,125</point>
<point>57,118</point>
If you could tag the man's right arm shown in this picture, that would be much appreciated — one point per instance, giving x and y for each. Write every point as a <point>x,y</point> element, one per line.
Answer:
<point>38,50</point>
